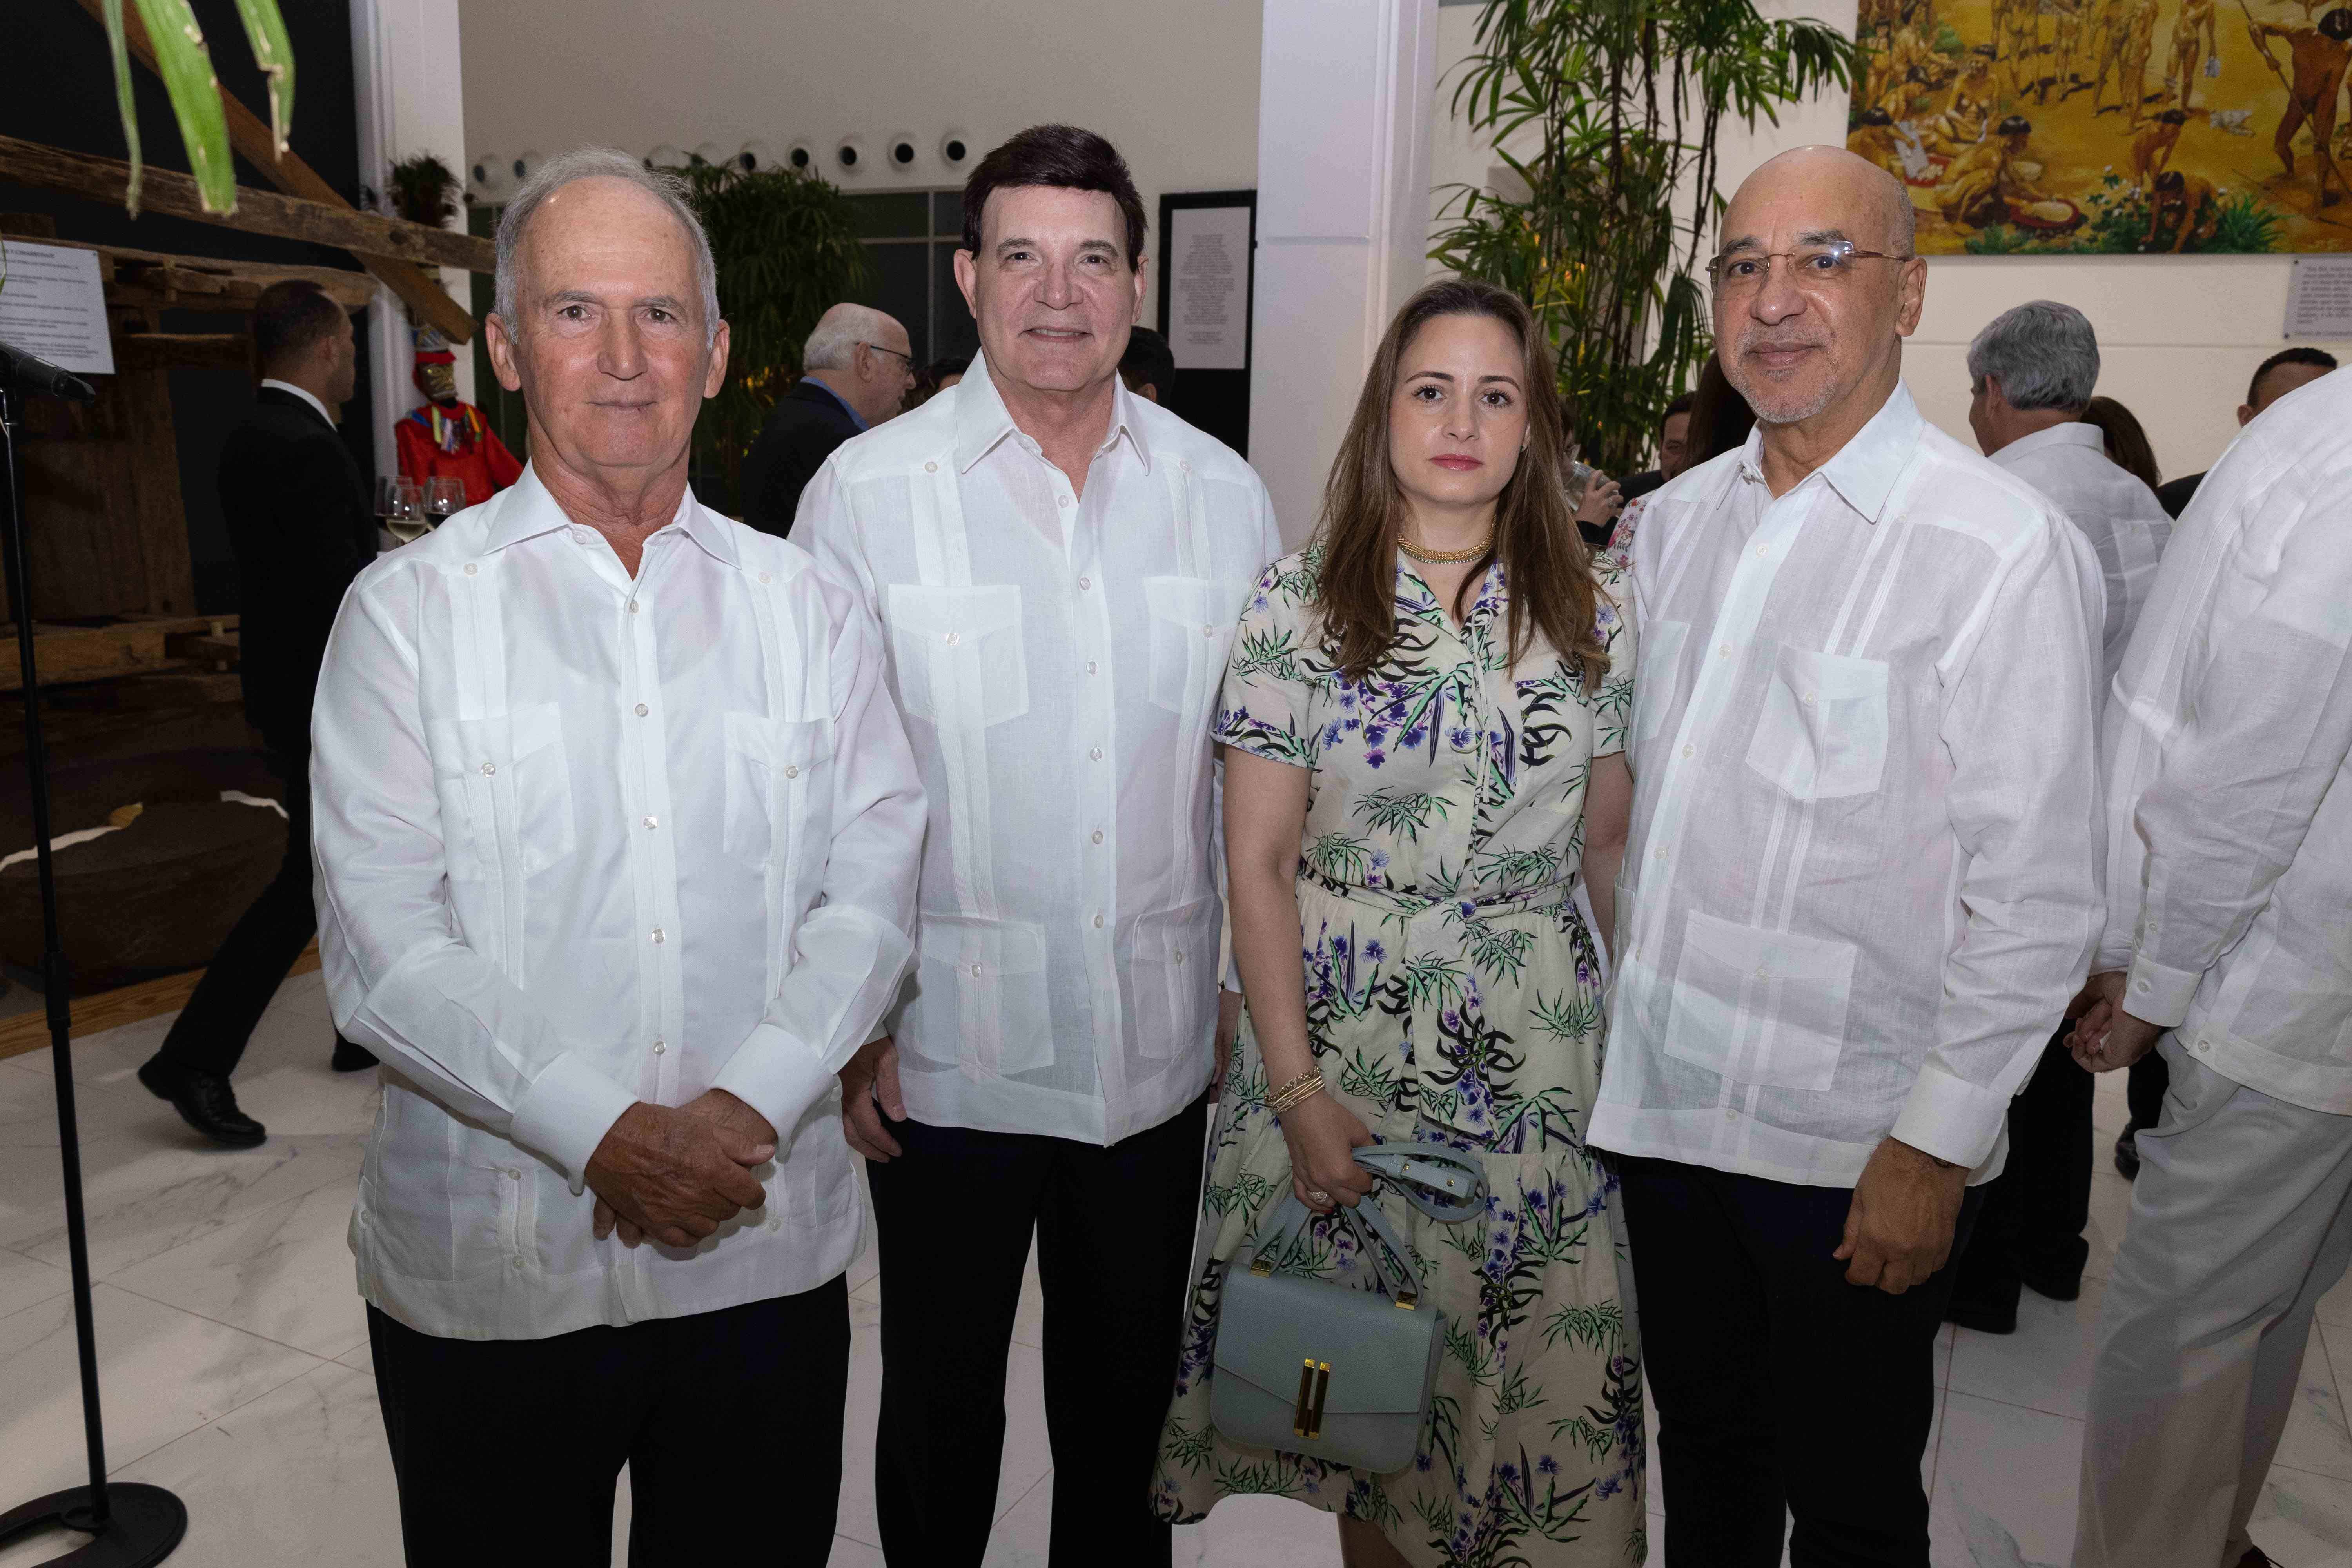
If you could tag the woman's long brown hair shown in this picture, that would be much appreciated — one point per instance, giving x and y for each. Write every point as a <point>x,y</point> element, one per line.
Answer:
<point>1545,563</point>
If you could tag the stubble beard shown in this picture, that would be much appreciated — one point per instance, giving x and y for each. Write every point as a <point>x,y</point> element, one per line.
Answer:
<point>1775,404</point>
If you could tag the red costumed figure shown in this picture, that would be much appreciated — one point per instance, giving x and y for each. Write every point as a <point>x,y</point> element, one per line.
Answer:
<point>446,437</point>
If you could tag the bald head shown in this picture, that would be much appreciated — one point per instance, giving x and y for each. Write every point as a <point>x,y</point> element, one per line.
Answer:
<point>1880,216</point>
<point>839,332</point>
<point>1818,289</point>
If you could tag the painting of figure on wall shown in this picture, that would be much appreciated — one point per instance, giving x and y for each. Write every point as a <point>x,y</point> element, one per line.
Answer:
<point>2112,127</point>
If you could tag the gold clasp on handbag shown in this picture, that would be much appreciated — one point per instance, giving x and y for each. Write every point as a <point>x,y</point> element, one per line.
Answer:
<point>1307,1411</point>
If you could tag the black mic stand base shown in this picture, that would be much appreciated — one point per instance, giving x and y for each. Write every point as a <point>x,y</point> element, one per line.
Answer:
<point>144,1524</point>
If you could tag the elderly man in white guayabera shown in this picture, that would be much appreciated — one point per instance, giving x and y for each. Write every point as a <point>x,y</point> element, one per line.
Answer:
<point>2032,372</point>
<point>2228,948</point>
<point>617,838</point>
<point>1863,883</point>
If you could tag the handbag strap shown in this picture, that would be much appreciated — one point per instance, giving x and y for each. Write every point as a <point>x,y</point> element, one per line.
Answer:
<point>1441,1183</point>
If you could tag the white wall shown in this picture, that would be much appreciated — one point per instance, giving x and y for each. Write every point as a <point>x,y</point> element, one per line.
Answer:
<point>406,81</point>
<point>1174,86</point>
<point>2178,336</point>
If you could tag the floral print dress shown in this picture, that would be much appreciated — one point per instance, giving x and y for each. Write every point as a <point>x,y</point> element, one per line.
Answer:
<point>1453,998</point>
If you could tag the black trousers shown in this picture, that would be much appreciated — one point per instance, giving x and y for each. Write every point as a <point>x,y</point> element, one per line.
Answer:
<point>1114,1230</point>
<point>506,1450</point>
<point>2036,1209</point>
<point>211,1031</point>
<point>1778,1385</point>
<point>2151,1078</point>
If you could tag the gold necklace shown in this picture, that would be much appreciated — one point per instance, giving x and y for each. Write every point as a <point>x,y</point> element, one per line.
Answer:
<point>1445,557</point>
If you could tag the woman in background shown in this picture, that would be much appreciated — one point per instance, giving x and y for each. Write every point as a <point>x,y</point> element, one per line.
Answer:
<point>1422,723</point>
<point>1720,420</point>
<point>2128,446</point>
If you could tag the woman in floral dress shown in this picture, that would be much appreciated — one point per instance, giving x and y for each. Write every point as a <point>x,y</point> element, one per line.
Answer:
<point>1424,718</point>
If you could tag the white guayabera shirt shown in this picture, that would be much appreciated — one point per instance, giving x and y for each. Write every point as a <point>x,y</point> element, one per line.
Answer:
<point>1862,870</point>
<point>2229,744</point>
<point>2119,514</point>
<point>1059,658</point>
<point>583,840</point>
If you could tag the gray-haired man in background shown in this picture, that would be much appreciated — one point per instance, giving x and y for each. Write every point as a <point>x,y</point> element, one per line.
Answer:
<point>2030,372</point>
<point>856,370</point>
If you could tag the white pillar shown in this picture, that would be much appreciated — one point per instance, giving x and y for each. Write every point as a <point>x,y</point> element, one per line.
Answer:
<point>1344,93</point>
<point>410,97</point>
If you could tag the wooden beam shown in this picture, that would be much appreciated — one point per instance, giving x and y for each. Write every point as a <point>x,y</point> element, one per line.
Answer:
<point>416,289</point>
<point>153,279</point>
<point>164,351</point>
<point>29,1032</point>
<point>65,655</point>
<point>106,180</point>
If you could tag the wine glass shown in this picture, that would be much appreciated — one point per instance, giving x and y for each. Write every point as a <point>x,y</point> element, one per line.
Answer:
<point>406,519</point>
<point>1576,475</point>
<point>387,497</point>
<point>444,495</point>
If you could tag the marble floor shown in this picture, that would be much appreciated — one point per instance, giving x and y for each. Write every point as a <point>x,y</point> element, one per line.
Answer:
<point>236,1370</point>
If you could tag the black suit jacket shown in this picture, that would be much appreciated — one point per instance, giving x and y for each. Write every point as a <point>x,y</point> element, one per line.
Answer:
<point>301,523</point>
<point>803,428</point>
<point>2174,495</point>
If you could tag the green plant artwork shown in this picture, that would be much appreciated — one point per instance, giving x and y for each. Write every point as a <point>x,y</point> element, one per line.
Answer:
<point>1610,112</point>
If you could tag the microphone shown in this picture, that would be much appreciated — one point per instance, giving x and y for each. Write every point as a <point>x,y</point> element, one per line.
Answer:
<point>22,372</point>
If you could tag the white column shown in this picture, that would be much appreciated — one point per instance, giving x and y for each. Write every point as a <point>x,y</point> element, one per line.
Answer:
<point>410,97</point>
<point>1344,93</point>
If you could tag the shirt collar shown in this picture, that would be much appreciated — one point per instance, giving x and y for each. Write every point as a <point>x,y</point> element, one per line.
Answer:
<point>526,510</point>
<point>983,420</point>
<point>1864,469</point>
<point>2073,433</point>
<point>304,392</point>
<point>854,418</point>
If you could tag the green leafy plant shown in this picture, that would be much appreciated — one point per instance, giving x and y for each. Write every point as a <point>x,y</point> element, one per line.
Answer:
<point>1626,100</point>
<point>786,248</point>
<point>423,190</point>
<point>186,67</point>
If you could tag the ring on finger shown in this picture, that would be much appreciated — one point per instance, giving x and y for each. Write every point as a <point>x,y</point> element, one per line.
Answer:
<point>1317,1195</point>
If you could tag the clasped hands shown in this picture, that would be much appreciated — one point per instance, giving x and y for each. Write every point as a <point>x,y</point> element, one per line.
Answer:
<point>2106,1037</point>
<point>675,1174</point>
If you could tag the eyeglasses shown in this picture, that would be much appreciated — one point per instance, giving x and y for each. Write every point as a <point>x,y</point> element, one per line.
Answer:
<point>1828,265</point>
<point>894,353</point>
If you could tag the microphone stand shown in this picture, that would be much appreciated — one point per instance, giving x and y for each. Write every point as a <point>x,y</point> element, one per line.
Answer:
<point>132,1524</point>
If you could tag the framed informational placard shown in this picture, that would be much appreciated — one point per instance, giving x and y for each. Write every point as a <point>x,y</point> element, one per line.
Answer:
<point>54,305</point>
<point>2319,298</point>
<point>1208,246</point>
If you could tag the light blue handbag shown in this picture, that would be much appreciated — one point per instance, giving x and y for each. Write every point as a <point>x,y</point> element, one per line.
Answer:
<point>1312,1367</point>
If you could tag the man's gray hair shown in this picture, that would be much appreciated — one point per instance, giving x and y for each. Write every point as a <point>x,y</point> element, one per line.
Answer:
<point>833,344</point>
<point>2044,355</point>
<point>602,162</point>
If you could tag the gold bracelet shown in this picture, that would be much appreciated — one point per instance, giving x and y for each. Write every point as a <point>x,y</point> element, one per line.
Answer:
<point>1298,1090</point>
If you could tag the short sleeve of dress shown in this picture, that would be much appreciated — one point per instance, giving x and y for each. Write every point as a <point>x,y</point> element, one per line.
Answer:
<point>1613,705</point>
<point>1264,707</point>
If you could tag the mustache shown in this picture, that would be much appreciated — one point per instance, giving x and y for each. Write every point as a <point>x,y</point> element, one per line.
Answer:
<point>1763,341</point>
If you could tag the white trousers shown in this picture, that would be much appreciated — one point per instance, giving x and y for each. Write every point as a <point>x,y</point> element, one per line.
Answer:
<point>2239,1225</point>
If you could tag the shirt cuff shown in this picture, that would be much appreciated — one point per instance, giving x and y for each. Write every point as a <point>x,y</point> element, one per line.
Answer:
<point>777,1074</point>
<point>1953,1120</point>
<point>2158,994</point>
<point>566,1111</point>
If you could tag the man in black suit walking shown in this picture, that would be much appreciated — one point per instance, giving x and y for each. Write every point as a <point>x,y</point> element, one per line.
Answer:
<point>300,522</point>
<point>857,370</point>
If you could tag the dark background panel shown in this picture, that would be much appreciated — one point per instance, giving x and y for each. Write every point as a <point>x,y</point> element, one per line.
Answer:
<point>1215,400</point>
<point>57,86</point>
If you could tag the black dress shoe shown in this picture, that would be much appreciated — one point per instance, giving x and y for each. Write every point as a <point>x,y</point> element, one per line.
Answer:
<point>349,1057</point>
<point>205,1102</point>
<point>2127,1152</point>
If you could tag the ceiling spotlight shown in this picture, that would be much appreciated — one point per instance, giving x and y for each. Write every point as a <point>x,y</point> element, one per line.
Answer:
<point>901,151</point>
<point>955,149</point>
<point>801,155</point>
<point>849,156</point>
<point>709,152</point>
<point>756,158</point>
<point>525,166</point>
